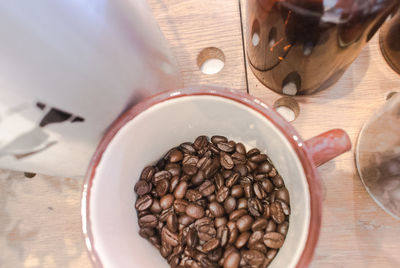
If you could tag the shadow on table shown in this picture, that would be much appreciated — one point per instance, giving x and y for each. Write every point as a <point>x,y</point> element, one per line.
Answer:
<point>375,232</point>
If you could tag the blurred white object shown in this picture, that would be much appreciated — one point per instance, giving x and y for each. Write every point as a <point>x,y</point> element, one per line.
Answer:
<point>68,68</point>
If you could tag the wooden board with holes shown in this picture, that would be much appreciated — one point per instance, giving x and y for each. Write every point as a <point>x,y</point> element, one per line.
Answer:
<point>39,217</point>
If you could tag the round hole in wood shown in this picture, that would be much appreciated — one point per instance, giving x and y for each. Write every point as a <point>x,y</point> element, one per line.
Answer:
<point>391,94</point>
<point>29,175</point>
<point>288,108</point>
<point>211,60</point>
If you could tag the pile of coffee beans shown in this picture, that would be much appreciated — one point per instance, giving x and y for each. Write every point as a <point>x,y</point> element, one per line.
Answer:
<point>213,204</point>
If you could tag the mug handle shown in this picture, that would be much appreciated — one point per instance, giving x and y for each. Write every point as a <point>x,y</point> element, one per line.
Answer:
<point>328,145</point>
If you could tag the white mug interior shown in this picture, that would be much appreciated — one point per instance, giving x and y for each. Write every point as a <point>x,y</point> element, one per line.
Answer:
<point>147,137</point>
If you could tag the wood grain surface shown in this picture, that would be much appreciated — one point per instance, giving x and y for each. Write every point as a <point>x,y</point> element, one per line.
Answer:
<point>40,217</point>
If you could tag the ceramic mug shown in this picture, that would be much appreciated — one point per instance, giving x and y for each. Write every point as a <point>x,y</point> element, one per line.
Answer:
<point>148,130</point>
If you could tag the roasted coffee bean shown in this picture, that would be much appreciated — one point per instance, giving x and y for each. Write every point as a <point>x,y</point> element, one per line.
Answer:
<point>166,201</point>
<point>221,221</point>
<point>264,167</point>
<point>187,148</point>
<point>180,205</point>
<point>235,215</point>
<point>232,179</point>
<point>271,226</point>
<point>251,166</point>
<point>185,220</point>
<point>277,212</point>
<point>226,161</point>
<point>180,190</point>
<point>142,187</point>
<point>216,209</point>
<point>144,202</point>
<point>271,253</point>
<point>173,183</point>
<point>258,158</point>
<point>175,156</point>
<point>253,257</point>
<point>203,221</point>
<point>259,224</point>
<point>212,169</point>
<point>226,147</point>
<point>164,214</point>
<point>271,198</point>
<point>166,249</point>
<point>195,211</point>
<point>193,195</point>
<point>207,188</point>
<point>248,190</point>
<point>233,235</point>
<point>237,191</point>
<point>260,177</point>
<point>173,168</point>
<point>242,203</point>
<point>212,198</point>
<point>259,246</point>
<point>148,173</point>
<point>219,180</point>
<point>266,184</point>
<point>255,237</point>
<point>190,160</point>
<point>252,152</point>
<point>162,187</point>
<point>155,240</point>
<point>207,232</point>
<point>282,194</point>
<point>169,237</point>
<point>255,207</point>
<point>240,148</point>
<point>274,240</point>
<point>200,142</point>
<point>267,211</point>
<point>143,213</point>
<point>229,204</point>
<point>226,173</point>
<point>241,169</point>
<point>241,241</point>
<point>172,222</point>
<point>283,228</point>
<point>215,255</point>
<point>278,181</point>
<point>174,262</point>
<point>285,207</point>
<point>272,173</point>
<point>258,191</point>
<point>204,162</point>
<point>223,235</point>
<point>192,238</point>
<point>222,194</point>
<point>190,170</point>
<point>211,245</point>
<point>198,178</point>
<point>213,149</point>
<point>244,223</point>
<point>162,175</point>
<point>232,260</point>
<point>148,221</point>
<point>217,139</point>
<point>146,232</point>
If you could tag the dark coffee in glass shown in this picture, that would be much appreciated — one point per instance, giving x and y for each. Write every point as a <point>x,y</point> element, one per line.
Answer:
<point>303,46</point>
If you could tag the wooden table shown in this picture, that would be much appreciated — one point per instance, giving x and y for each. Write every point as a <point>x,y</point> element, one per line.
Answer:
<point>40,217</point>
